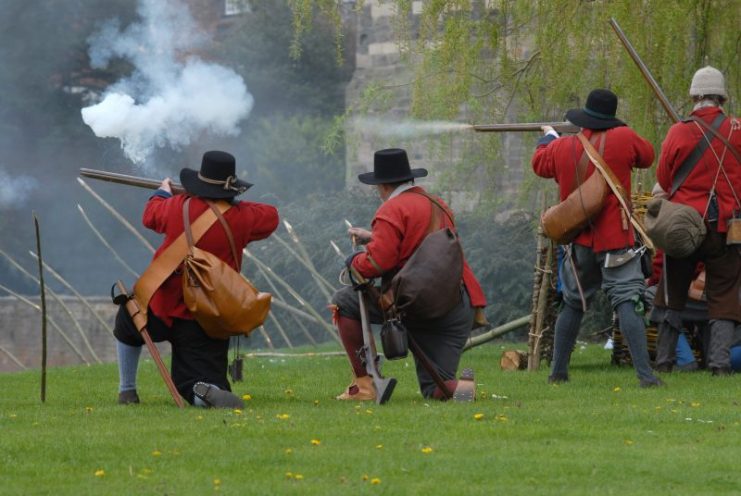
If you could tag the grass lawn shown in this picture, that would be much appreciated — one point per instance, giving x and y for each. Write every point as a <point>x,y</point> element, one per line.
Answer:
<point>598,434</point>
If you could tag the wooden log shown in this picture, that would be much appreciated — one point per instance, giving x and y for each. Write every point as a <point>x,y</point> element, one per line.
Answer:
<point>513,360</point>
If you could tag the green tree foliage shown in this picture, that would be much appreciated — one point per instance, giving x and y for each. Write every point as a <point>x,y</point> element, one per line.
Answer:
<point>499,60</point>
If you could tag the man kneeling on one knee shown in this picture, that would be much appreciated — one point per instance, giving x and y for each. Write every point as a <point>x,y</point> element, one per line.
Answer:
<point>398,228</point>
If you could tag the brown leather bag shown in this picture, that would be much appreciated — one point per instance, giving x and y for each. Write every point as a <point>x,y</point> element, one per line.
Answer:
<point>222,301</point>
<point>563,222</point>
<point>429,284</point>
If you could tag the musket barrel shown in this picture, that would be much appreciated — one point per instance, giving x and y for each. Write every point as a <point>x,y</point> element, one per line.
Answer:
<point>645,72</point>
<point>561,127</point>
<point>114,177</point>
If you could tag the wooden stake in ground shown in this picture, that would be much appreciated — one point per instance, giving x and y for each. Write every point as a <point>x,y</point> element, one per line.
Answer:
<point>43,310</point>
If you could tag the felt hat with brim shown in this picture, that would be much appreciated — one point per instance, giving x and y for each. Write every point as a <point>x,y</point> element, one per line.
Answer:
<point>598,113</point>
<point>216,179</point>
<point>390,166</point>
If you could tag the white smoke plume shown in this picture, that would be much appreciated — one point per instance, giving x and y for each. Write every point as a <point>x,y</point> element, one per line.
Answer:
<point>14,190</point>
<point>404,128</point>
<point>172,96</point>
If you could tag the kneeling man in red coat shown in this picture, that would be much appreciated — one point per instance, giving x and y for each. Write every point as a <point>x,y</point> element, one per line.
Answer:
<point>398,228</point>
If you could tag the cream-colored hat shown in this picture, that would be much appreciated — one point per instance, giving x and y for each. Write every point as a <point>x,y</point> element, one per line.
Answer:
<point>708,81</point>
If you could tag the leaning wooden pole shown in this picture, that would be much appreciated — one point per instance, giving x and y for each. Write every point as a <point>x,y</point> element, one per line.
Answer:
<point>645,72</point>
<point>42,287</point>
<point>496,332</point>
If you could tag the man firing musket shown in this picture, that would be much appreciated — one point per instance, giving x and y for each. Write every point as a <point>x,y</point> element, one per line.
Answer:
<point>438,326</point>
<point>189,223</point>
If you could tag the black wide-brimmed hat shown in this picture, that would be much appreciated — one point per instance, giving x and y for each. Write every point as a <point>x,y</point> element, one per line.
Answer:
<point>390,166</point>
<point>598,113</point>
<point>216,179</point>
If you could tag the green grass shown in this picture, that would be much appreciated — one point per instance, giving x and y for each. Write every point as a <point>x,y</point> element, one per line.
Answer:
<point>599,434</point>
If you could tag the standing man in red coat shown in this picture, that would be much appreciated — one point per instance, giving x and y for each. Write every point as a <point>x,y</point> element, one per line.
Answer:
<point>199,363</point>
<point>398,228</point>
<point>699,168</point>
<point>584,271</point>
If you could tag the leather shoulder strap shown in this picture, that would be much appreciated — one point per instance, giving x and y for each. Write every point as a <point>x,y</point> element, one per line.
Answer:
<point>683,171</point>
<point>168,261</point>
<point>227,229</point>
<point>434,202</point>
<point>713,129</point>
<point>580,172</point>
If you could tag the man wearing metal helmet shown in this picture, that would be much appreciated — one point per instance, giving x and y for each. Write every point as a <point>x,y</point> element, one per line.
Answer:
<point>700,166</point>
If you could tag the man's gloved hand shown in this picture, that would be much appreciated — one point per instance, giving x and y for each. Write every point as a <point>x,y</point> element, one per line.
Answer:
<point>357,285</point>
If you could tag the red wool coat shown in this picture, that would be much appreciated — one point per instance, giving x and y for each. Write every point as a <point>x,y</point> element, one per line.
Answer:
<point>248,221</point>
<point>679,143</point>
<point>624,150</point>
<point>398,228</point>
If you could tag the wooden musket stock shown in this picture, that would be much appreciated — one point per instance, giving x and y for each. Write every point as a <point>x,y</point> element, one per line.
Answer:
<point>645,72</point>
<point>140,182</point>
<point>561,127</point>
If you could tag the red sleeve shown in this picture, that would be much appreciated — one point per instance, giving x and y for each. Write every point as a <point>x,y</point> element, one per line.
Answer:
<point>264,219</point>
<point>384,249</point>
<point>543,161</point>
<point>155,214</point>
<point>644,152</point>
<point>667,160</point>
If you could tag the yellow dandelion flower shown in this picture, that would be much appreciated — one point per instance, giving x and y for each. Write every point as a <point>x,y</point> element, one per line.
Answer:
<point>88,409</point>
<point>246,397</point>
<point>283,416</point>
<point>695,404</point>
<point>616,389</point>
<point>217,482</point>
<point>289,451</point>
<point>628,442</point>
<point>478,416</point>
<point>369,411</point>
<point>298,477</point>
<point>315,442</point>
<point>289,475</point>
<point>237,411</point>
<point>375,481</point>
<point>501,418</point>
<point>365,477</point>
<point>288,392</point>
<point>156,453</point>
<point>316,402</point>
<point>100,473</point>
<point>200,417</point>
<point>379,446</point>
<point>426,450</point>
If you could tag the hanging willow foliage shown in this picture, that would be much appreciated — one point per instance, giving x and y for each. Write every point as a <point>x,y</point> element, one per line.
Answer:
<point>495,60</point>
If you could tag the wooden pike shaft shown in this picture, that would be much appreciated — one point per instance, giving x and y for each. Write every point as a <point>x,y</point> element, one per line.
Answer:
<point>140,182</point>
<point>645,72</point>
<point>496,332</point>
<point>561,127</point>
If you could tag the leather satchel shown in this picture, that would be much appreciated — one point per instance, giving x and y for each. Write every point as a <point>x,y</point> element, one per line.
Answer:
<point>563,222</point>
<point>221,300</point>
<point>429,284</point>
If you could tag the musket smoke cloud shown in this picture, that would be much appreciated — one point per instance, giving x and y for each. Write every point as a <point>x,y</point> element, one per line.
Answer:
<point>405,128</point>
<point>14,190</point>
<point>172,96</point>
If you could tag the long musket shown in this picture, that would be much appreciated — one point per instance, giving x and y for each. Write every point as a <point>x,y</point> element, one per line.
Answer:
<point>561,127</point>
<point>645,72</point>
<point>141,182</point>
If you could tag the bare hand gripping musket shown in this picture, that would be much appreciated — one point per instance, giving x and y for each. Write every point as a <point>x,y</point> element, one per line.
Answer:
<point>561,127</point>
<point>140,182</point>
<point>645,72</point>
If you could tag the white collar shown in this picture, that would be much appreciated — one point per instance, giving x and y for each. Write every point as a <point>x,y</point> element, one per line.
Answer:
<point>705,103</point>
<point>400,189</point>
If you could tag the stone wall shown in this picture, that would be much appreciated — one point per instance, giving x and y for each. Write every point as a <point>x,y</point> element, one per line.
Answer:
<point>378,60</point>
<point>20,333</point>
